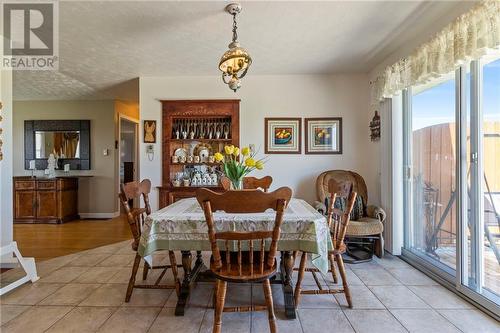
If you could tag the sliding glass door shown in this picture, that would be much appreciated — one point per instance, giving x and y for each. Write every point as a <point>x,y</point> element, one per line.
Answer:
<point>452,178</point>
<point>431,163</point>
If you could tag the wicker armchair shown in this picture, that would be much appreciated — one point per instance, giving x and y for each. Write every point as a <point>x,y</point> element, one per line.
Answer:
<point>370,226</point>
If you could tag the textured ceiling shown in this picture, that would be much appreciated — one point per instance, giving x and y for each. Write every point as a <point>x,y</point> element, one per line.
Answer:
<point>104,46</point>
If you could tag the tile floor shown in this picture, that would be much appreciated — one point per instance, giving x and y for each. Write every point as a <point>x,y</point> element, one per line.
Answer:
<point>84,292</point>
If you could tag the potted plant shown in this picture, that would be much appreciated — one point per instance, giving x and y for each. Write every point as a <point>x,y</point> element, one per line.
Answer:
<point>236,164</point>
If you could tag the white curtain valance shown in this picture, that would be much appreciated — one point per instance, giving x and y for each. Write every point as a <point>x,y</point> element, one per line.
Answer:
<point>470,36</point>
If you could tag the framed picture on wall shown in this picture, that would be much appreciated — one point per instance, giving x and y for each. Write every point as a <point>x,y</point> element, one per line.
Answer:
<point>149,131</point>
<point>283,135</point>
<point>323,135</point>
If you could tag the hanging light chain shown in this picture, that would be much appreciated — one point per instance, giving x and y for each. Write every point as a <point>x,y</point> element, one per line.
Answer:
<point>235,27</point>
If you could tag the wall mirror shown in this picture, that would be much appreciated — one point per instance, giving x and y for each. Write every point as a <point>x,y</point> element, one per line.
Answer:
<point>61,144</point>
<point>68,140</point>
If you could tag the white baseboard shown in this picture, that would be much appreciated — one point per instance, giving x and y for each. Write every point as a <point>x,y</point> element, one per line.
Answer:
<point>99,215</point>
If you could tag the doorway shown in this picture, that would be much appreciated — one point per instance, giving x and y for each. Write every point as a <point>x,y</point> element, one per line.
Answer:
<point>128,140</point>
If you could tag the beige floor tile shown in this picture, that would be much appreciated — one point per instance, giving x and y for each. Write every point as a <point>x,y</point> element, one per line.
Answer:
<point>232,322</point>
<point>362,298</point>
<point>259,299</point>
<point>70,294</point>
<point>9,312</point>
<point>11,275</point>
<point>390,262</point>
<point>308,279</point>
<point>167,322</point>
<point>423,321</point>
<point>36,319</point>
<point>108,249</point>
<point>260,323</point>
<point>96,275</point>
<point>471,321</point>
<point>323,320</point>
<point>64,260</point>
<point>88,260</point>
<point>238,295</point>
<point>376,277</point>
<point>30,293</point>
<point>364,265</point>
<point>64,274</point>
<point>43,269</point>
<point>374,321</point>
<point>118,260</point>
<point>130,319</point>
<point>106,295</point>
<point>148,297</point>
<point>82,320</point>
<point>398,297</point>
<point>122,275</point>
<point>412,277</point>
<point>440,298</point>
<point>318,302</point>
<point>352,279</point>
<point>201,296</point>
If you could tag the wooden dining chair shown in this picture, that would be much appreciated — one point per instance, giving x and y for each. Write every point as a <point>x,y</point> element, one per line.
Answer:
<point>338,219</point>
<point>135,217</point>
<point>250,183</point>
<point>254,183</point>
<point>244,258</point>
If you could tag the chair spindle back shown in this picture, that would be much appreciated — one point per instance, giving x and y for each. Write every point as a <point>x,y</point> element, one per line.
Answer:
<point>244,201</point>
<point>135,217</point>
<point>338,219</point>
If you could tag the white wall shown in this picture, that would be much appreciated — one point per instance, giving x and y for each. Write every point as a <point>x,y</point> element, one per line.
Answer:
<point>278,96</point>
<point>6,234</point>
<point>97,196</point>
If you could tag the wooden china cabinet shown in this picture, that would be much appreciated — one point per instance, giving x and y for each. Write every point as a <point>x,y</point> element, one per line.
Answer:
<point>193,131</point>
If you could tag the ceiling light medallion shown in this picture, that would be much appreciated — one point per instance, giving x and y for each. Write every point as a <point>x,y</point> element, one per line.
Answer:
<point>235,62</point>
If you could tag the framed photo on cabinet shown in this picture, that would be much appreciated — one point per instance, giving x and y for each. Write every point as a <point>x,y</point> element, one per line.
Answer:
<point>283,135</point>
<point>323,135</point>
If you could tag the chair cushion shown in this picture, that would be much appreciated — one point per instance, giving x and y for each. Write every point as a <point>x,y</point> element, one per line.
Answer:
<point>358,210</point>
<point>364,226</point>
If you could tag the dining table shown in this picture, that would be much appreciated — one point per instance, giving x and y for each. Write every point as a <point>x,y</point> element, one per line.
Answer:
<point>181,227</point>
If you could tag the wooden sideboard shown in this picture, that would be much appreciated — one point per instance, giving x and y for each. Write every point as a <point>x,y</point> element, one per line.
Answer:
<point>44,200</point>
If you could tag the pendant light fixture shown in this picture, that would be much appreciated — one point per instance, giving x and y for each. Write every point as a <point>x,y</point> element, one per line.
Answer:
<point>235,62</point>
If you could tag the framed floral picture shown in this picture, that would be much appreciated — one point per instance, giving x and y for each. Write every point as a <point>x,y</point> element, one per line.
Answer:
<point>283,135</point>
<point>323,135</point>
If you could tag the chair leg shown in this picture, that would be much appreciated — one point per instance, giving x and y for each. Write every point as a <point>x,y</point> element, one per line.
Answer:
<point>214,299</point>
<point>379,246</point>
<point>300,277</point>
<point>331,258</point>
<point>173,265</point>
<point>347,292</point>
<point>131,282</point>
<point>268,294</point>
<point>145,270</point>
<point>219,305</point>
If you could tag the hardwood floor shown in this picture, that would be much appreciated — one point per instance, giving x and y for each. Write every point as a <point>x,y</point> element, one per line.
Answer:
<point>44,241</point>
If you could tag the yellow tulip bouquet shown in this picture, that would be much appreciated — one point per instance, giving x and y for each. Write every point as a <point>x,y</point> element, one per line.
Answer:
<point>238,163</point>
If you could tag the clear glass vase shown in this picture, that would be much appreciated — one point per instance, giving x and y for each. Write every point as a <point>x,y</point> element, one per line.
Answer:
<point>236,184</point>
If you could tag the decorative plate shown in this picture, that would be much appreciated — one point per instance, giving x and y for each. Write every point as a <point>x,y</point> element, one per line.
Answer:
<point>200,147</point>
<point>180,152</point>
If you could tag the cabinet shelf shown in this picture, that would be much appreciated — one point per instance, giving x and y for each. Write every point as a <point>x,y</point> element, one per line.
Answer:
<point>200,140</point>
<point>198,116</point>
<point>200,163</point>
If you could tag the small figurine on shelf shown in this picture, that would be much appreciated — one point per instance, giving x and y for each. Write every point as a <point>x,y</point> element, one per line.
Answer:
<point>51,166</point>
